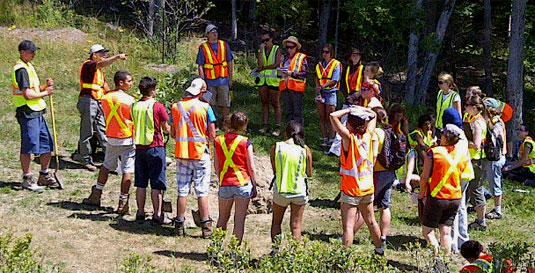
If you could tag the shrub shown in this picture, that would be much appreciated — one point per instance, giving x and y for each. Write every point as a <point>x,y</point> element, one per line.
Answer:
<point>16,255</point>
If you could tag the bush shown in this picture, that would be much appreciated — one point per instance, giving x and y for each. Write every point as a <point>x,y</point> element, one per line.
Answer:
<point>16,255</point>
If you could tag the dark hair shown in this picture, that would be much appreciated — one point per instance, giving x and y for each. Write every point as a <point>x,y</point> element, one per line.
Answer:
<point>120,75</point>
<point>353,98</point>
<point>330,48</point>
<point>476,102</point>
<point>237,121</point>
<point>382,118</point>
<point>423,119</point>
<point>471,249</point>
<point>147,84</point>
<point>451,138</point>
<point>267,32</point>
<point>527,127</point>
<point>358,124</point>
<point>348,57</point>
<point>295,131</point>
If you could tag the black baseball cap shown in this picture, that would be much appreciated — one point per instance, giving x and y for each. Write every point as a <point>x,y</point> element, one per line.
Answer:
<point>27,45</point>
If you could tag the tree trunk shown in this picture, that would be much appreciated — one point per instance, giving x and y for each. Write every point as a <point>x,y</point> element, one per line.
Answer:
<point>515,65</point>
<point>324,22</point>
<point>234,27</point>
<point>487,57</point>
<point>149,30</point>
<point>412,59</point>
<point>431,57</point>
<point>252,15</point>
<point>337,27</point>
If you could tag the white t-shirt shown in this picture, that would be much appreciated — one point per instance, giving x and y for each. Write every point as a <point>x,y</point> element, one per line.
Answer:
<point>457,98</point>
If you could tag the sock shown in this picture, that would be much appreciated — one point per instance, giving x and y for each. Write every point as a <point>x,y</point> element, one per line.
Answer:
<point>205,219</point>
<point>498,209</point>
<point>43,172</point>
<point>383,238</point>
<point>26,175</point>
<point>123,196</point>
<point>481,221</point>
<point>379,250</point>
<point>180,219</point>
<point>99,186</point>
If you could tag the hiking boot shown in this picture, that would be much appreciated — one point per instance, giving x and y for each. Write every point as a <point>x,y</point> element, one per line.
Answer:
<point>140,217</point>
<point>46,180</point>
<point>179,228</point>
<point>264,129</point>
<point>477,226</point>
<point>162,220</point>
<point>493,214</point>
<point>276,132</point>
<point>196,217</point>
<point>123,208</point>
<point>90,167</point>
<point>29,184</point>
<point>206,227</point>
<point>94,197</point>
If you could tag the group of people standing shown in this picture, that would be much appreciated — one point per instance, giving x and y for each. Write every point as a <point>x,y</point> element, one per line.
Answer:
<point>448,157</point>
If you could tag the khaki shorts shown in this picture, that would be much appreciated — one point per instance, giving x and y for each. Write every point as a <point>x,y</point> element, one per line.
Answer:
<point>220,95</point>
<point>284,202</point>
<point>355,200</point>
<point>126,153</point>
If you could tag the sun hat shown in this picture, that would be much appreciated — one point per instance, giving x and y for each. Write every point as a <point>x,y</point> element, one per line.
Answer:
<point>97,48</point>
<point>359,111</point>
<point>292,39</point>
<point>195,87</point>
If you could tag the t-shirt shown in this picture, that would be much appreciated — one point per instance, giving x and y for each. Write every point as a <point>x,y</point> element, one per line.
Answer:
<point>201,61</point>
<point>87,74</point>
<point>335,77</point>
<point>23,81</point>
<point>160,114</point>
<point>457,98</point>
<point>379,135</point>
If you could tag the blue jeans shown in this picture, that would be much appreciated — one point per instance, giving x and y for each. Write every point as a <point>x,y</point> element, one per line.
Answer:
<point>493,171</point>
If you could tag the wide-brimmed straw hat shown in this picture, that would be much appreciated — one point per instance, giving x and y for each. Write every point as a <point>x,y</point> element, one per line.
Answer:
<point>292,39</point>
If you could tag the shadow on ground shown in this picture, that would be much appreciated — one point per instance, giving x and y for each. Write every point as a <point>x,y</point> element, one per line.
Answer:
<point>142,228</point>
<point>194,256</point>
<point>402,266</point>
<point>12,185</point>
<point>399,242</point>
<point>324,203</point>
<point>321,237</point>
<point>75,206</point>
<point>64,163</point>
<point>411,221</point>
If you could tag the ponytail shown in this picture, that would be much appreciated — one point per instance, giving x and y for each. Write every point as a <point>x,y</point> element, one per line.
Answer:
<point>295,131</point>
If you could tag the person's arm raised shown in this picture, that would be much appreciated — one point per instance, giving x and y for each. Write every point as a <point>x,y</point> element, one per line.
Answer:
<point>108,61</point>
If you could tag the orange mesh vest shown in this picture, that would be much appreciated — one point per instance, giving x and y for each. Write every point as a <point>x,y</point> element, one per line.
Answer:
<point>356,167</point>
<point>117,105</point>
<point>296,65</point>
<point>190,118</point>
<point>354,81</point>
<point>215,65</point>
<point>232,160</point>
<point>96,86</point>
<point>448,166</point>
<point>325,74</point>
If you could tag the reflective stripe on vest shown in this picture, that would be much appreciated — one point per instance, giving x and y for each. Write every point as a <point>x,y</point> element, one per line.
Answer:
<point>185,118</point>
<point>531,157</point>
<point>452,170</point>
<point>296,66</point>
<point>269,76</point>
<point>484,265</point>
<point>97,86</point>
<point>190,117</point>
<point>37,104</point>
<point>442,105</point>
<point>143,117</point>
<point>215,65</point>
<point>324,75</point>
<point>228,159</point>
<point>290,168</point>
<point>357,175</point>
<point>111,109</point>
<point>479,153</point>
<point>354,83</point>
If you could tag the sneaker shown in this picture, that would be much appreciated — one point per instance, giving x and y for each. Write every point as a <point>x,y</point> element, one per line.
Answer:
<point>264,129</point>
<point>46,180</point>
<point>477,226</point>
<point>379,251</point>
<point>493,214</point>
<point>179,228</point>
<point>276,132</point>
<point>29,184</point>
<point>324,142</point>
<point>90,167</point>
<point>94,197</point>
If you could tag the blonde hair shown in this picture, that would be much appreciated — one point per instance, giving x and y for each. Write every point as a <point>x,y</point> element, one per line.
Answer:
<point>475,91</point>
<point>375,68</point>
<point>449,79</point>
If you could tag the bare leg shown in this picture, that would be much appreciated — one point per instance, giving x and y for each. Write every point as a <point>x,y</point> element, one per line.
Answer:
<point>321,112</point>
<point>242,204</point>
<point>103,175</point>
<point>278,215</point>
<point>45,160</point>
<point>296,218</point>
<point>203,207</point>
<point>225,111</point>
<point>125,183</point>
<point>25,160</point>
<point>225,207</point>
<point>445,237</point>
<point>369,219</point>
<point>385,221</point>
<point>275,102</point>
<point>429,235</point>
<point>264,98</point>
<point>181,206</point>
<point>349,214</point>
<point>359,221</point>
<point>328,110</point>
<point>481,210</point>
<point>157,201</point>
<point>141,194</point>
<point>498,200</point>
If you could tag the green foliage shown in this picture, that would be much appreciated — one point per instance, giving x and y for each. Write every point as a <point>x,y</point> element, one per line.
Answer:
<point>172,86</point>
<point>16,255</point>
<point>287,17</point>
<point>518,253</point>
<point>427,260</point>
<point>228,257</point>
<point>136,263</point>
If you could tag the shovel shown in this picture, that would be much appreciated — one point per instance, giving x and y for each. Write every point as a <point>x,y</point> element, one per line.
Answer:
<point>56,177</point>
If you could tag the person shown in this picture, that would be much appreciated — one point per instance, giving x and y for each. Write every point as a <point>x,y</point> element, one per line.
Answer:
<point>294,72</point>
<point>117,106</point>
<point>523,170</point>
<point>150,120</point>
<point>356,168</point>
<point>291,161</point>
<point>493,169</point>
<point>352,74</point>
<point>383,179</point>
<point>479,261</point>
<point>440,187</point>
<point>478,129</point>
<point>36,139</point>
<point>193,128</point>
<point>447,97</point>
<point>327,84</point>
<point>397,119</point>
<point>93,86</point>
<point>215,67</point>
<point>234,164</point>
<point>371,88</point>
<point>269,58</point>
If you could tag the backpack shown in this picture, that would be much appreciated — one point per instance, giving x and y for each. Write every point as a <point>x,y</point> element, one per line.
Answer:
<point>493,147</point>
<point>395,147</point>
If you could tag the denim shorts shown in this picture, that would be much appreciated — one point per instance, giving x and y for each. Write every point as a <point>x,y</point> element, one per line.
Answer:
<point>493,171</point>
<point>35,136</point>
<point>329,98</point>
<point>150,165</point>
<point>383,188</point>
<point>231,192</point>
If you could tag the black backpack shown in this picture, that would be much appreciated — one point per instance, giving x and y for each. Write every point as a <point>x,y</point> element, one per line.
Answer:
<point>494,145</point>
<point>395,147</point>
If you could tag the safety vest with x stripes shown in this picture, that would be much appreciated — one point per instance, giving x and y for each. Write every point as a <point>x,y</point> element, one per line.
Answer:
<point>231,150</point>
<point>117,112</point>
<point>325,74</point>
<point>356,166</point>
<point>290,169</point>
<point>215,64</point>
<point>190,117</point>
<point>449,164</point>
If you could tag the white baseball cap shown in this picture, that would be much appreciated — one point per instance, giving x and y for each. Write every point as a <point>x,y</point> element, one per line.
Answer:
<point>210,27</point>
<point>97,48</point>
<point>195,88</point>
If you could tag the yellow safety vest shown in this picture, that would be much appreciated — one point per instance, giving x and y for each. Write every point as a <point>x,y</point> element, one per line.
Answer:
<point>37,104</point>
<point>442,105</point>
<point>269,76</point>
<point>531,157</point>
<point>143,117</point>
<point>325,74</point>
<point>290,166</point>
<point>479,153</point>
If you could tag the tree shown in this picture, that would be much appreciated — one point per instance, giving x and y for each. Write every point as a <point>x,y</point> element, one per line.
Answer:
<point>515,65</point>
<point>487,58</point>
<point>323,27</point>
<point>431,58</point>
<point>234,27</point>
<point>412,59</point>
<point>337,26</point>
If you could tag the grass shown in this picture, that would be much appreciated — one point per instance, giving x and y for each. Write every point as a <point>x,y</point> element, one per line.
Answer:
<point>81,239</point>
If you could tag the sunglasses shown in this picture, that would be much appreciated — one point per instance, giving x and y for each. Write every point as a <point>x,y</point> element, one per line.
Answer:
<point>290,47</point>
<point>520,130</point>
<point>441,82</point>
<point>326,51</point>
<point>265,40</point>
<point>213,31</point>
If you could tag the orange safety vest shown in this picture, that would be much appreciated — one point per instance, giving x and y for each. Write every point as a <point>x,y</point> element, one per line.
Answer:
<point>354,82</point>
<point>117,105</point>
<point>215,65</point>
<point>97,85</point>
<point>448,166</point>
<point>190,118</point>
<point>356,167</point>
<point>296,65</point>
<point>325,74</point>
<point>231,150</point>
